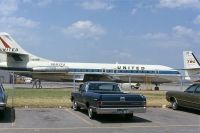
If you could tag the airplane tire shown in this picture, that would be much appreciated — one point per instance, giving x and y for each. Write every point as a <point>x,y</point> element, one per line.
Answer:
<point>156,88</point>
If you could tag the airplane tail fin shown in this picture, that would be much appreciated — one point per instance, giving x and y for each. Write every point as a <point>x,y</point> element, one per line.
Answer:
<point>190,61</point>
<point>191,65</point>
<point>13,54</point>
<point>9,45</point>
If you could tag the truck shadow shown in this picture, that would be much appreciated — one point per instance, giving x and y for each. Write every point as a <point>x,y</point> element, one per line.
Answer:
<point>8,116</point>
<point>192,111</point>
<point>117,118</point>
<point>120,119</point>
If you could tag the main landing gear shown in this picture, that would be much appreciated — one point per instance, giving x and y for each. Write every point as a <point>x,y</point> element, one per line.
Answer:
<point>156,87</point>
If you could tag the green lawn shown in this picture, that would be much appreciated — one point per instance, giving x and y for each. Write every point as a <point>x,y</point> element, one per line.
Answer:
<point>154,98</point>
<point>39,97</point>
<point>51,98</point>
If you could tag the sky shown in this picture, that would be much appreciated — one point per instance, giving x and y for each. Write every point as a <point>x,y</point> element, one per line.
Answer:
<point>105,31</point>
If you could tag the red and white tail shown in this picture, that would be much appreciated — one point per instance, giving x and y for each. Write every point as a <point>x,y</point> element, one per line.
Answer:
<point>11,51</point>
<point>9,45</point>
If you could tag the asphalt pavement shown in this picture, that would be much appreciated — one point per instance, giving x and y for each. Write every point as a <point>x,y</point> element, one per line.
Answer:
<point>52,120</point>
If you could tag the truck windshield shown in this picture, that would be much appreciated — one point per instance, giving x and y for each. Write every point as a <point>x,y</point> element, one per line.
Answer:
<point>103,87</point>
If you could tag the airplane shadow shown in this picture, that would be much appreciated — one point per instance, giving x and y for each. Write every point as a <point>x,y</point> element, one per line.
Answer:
<point>117,118</point>
<point>8,116</point>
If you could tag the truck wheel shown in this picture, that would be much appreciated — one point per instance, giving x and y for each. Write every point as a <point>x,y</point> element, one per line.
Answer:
<point>75,106</point>
<point>2,112</point>
<point>129,116</point>
<point>91,113</point>
<point>174,104</point>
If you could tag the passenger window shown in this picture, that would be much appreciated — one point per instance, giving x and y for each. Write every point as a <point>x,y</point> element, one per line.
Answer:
<point>198,90</point>
<point>191,89</point>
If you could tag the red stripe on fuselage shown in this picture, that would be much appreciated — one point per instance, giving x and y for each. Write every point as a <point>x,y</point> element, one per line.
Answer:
<point>4,43</point>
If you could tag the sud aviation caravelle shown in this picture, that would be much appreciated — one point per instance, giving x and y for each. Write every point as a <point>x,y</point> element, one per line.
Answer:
<point>15,58</point>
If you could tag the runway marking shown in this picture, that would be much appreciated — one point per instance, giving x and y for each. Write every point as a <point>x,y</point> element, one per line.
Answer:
<point>85,121</point>
<point>99,127</point>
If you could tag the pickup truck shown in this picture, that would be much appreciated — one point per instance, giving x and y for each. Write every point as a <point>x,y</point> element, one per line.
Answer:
<point>107,98</point>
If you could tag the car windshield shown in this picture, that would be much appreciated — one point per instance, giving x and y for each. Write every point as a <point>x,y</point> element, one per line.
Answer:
<point>103,87</point>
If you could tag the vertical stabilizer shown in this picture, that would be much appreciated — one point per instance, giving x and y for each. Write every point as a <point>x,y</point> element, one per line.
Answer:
<point>14,51</point>
<point>190,61</point>
<point>9,45</point>
<point>191,66</point>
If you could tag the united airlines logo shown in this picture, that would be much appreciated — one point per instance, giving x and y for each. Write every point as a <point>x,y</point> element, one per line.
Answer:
<point>130,68</point>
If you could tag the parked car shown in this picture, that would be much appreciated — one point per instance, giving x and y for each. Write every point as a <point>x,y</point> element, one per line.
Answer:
<point>3,99</point>
<point>190,98</point>
<point>107,98</point>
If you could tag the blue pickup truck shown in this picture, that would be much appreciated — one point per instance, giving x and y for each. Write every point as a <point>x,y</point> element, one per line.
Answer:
<point>107,98</point>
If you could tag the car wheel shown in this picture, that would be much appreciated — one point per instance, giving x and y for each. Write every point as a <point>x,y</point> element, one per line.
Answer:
<point>129,116</point>
<point>75,106</point>
<point>174,104</point>
<point>91,113</point>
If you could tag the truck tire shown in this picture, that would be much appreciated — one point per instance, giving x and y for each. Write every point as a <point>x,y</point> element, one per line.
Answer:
<point>91,113</point>
<point>75,106</point>
<point>2,112</point>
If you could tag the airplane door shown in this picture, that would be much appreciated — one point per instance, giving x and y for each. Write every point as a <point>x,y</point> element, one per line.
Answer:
<point>103,70</point>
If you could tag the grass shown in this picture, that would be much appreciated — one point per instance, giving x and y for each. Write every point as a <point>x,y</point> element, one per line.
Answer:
<point>154,98</point>
<point>39,97</point>
<point>51,98</point>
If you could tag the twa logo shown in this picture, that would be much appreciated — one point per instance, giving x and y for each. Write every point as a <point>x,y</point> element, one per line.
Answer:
<point>191,61</point>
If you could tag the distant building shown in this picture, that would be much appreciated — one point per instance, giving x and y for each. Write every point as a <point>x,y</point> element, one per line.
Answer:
<point>5,76</point>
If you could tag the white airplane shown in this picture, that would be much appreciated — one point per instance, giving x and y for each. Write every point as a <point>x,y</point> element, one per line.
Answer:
<point>15,58</point>
<point>191,66</point>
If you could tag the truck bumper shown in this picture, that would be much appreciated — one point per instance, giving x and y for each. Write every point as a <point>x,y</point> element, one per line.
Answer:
<point>120,110</point>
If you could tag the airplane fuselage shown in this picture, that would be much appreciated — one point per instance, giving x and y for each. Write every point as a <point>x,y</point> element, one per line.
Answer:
<point>66,71</point>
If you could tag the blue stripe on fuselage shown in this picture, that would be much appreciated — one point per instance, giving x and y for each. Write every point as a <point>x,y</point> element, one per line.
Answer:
<point>123,71</point>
